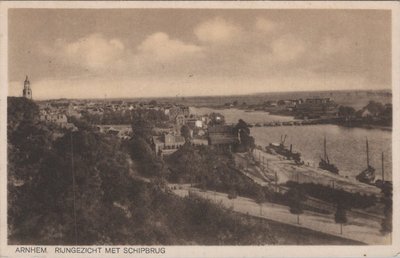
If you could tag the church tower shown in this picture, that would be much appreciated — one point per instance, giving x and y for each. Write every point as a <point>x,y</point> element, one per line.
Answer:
<point>27,92</point>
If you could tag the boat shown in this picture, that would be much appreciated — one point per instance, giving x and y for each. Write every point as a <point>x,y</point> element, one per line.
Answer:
<point>367,176</point>
<point>382,183</point>
<point>281,149</point>
<point>325,163</point>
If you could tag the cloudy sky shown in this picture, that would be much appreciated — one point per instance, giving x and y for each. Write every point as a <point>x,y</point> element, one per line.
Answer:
<point>79,53</point>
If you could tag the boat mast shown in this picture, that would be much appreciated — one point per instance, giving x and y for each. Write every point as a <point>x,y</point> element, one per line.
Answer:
<point>383,172</point>
<point>325,148</point>
<point>367,153</point>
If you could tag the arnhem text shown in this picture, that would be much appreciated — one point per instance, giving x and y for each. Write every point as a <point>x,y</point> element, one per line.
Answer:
<point>93,250</point>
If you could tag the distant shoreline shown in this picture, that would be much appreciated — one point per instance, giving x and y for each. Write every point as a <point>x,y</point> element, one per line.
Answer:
<point>366,126</point>
<point>193,97</point>
<point>354,125</point>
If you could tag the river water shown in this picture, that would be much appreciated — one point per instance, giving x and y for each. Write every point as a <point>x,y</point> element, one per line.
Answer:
<point>345,146</point>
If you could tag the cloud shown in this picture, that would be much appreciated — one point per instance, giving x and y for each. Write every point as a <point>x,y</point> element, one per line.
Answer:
<point>160,47</point>
<point>287,48</point>
<point>94,52</point>
<point>264,25</point>
<point>217,30</point>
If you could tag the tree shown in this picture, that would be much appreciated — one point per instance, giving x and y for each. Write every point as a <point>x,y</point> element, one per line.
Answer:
<point>281,102</point>
<point>346,112</point>
<point>153,102</point>
<point>387,114</point>
<point>242,126</point>
<point>260,198</point>
<point>20,110</point>
<point>141,126</point>
<point>375,108</point>
<point>41,205</point>
<point>232,195</point>
<point>216,119</point>
<point>187,165</point>
<point>110,206</point>
<point>295,198</point>
<point>148,163</point>
<point>259,195</point>
<point>185,132</point>
<point>387,200</point>
<point>246,141</point>
<point>340,215</point>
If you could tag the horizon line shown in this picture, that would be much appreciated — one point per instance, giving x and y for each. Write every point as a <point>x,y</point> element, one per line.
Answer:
<point>212,96</point>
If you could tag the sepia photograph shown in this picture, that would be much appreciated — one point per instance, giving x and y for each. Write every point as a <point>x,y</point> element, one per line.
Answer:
<point>150,127</point>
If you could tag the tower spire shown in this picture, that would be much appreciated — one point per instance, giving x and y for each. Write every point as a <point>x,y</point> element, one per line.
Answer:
<point>27,92</point>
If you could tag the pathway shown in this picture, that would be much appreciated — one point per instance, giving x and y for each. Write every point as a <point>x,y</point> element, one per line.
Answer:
<point>359,229</point>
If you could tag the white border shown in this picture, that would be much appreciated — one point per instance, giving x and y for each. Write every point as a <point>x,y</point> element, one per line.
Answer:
<point>224,251</point>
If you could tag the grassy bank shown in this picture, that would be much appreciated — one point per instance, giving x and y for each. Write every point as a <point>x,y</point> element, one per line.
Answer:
<point>285,234</point>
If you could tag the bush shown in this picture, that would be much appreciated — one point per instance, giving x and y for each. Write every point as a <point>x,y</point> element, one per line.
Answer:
<point>387,199</point>
<point>328,194</point>
<point>295,198</point>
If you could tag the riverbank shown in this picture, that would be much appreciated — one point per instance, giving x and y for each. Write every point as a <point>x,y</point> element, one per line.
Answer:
<point>365,205</point>
<point>346,147</point>
<point>287,118</point>
<point>287,170</point>
<point>368,126</point>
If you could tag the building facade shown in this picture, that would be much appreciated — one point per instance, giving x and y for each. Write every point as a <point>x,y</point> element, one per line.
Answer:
<point>167,144</point>
<point>317,108</point>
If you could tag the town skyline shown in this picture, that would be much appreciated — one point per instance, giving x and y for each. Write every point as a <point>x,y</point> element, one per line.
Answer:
<point>82,54</point>
<point>105,97</point>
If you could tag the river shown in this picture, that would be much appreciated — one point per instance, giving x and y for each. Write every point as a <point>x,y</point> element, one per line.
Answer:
<point>345,146</point>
